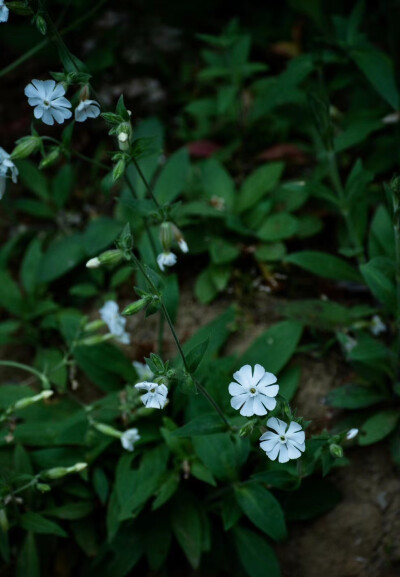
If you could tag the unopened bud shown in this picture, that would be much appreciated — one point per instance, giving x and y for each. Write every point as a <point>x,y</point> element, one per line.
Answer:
<point>180,239</point>
<point>336,451</point>
<point>108,257</point>
<point>166,236</point>
<point>93,263</point>
<point>247,429</point>
<point>107,430</point>
<point>43,487</point>
<point>27,401</point>
<point>84,93</point>
<point>95,340</point>
<point>59,472</point>
<point>51,158</point>
<point>351,434</point>
<point>41,24</point>
<point>124,134</point>
<point>25,147</point>
<point>94,326</point>
<point>137,306</point>
<point>119,170</point>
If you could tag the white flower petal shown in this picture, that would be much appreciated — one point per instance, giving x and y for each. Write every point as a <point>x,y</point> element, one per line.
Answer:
<point>268,379</point>
<point>239,400</point>
<point>267,446</point>
<point>38,111</point>
<point>283,454</point>
<point>58,91</point>
<point>293,428</point>
<point>268,403</point>
<point>248,408</point>
<point>258,374</point>
<point>236,389</point>
<point>259,408</point>
<point>293,452</point>
<point>244,376</point>
<point>278,425</point>
<point>274,452</point>
<point>268,435</point>
<point>269,390</point>
<point>47,118</point>
<point>297,437</point>
<point>61,103</point>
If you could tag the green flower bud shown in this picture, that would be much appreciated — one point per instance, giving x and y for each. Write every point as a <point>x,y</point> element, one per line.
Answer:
<point>26,146</point>
<point>248,428</point>
<point>166,236</point>
<point>94,326</point>
<point>95,340</point>
<point>51,158</point>
<point>59,472</point>
<point>27,401</point>
<point>336,451</point>
<point>43,487</point>
<point>107,430</point>
<point>108,257</point>
<point>41,24</point>
<point>137,306</point>
<point>119,170</point>
<point>124,135</point>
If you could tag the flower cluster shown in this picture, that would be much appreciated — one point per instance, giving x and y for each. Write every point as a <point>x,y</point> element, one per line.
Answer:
<point>50,104</point>
<point>253,393</point>
<point>115,322</point>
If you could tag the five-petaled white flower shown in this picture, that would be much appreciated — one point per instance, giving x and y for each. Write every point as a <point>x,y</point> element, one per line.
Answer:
<point>254,392</point>
<point>143,371</point>
<point>129,438</point>
<point>288,442</point>
<point>115,322</point>
<point>377,326</point>
<point>48,99</point>
<point>156,395</point>
<point>166,259</point>
<point>87,109</point>
<point>6,166</point>
<point>4,11</point>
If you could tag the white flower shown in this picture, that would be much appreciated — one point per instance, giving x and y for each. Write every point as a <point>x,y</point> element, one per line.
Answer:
<point>349,344</point>
<point>143,370</point>
<point>287,442</point>
<point>93,263</point>
<point>351,434</point>
<point>166,259</point>
<point>183,245</point>
<point>4,11</point>
<point>253,393</point>
<point>156,395</point>
<point>6,166</point>
<point>377,326</point>
<point>392,118</point>
<point>87,109</point>
<point>48,99</point>
<point>129,438</point>
<point>115,322</point>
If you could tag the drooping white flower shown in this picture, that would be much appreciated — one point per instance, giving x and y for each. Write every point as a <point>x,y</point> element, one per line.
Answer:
<point>166,259</point>
<point>48,100</point>
<point>87,109</point>
<point>377,326</point>
<point>115,322</point>
<point>129,438</point>
<point>183,245</point>
<point>143,371</point>
<point>4,12</point>
<point>288,442</point>
<point>156,395</point>
<point>7,168</point>
<point>351,434</point>
<point>254,392</point>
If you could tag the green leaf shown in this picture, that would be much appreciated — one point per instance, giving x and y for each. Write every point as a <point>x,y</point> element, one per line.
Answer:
<point>51,362</point>
<point>28,558</point>
<point>30,265</point>
<point>314,497</point>
<point>378,69</point>
<point>381,237</point>
<point>10,295</point>
<point>377,278</point>
<point>222,251</point>
<point>71,511</point>
<point>167,490</point>
<point>222,454</point>
<point>173,177</point>
<point>261,181</point>
<point>378,427</point>
<point>274,348</point>
<point>354,397</point>
<point>263,510</point>
<point>255,554</point>
<point>270,252</point>
<point>38,524</point>
<point>325,265</point>
<point>99,235</point>
<point>187,526</point>
<point>278,227</point>
<point>217,182</point>
<point>61,256</point>
<point>195,355</point>
<point>33,179</point>
<point>207,424</point>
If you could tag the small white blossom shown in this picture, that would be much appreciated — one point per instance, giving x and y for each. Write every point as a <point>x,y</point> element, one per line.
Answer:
<point>7,167</point>
<point>129,438</point>
<point>351,434</point>
<point>156,395</point>
<point>166,259</point>
<point>254,392</point>
<point>48,100</point>
<point>4,11</point>
<point>377,326</point>
<point>349,344</point>
<point>183,245</point>
<point>115,322</point>
<point>93,263</point>
<point>286,443</point>
<point>392,118</point>
<point>143,371</point>
<point>87,109</point>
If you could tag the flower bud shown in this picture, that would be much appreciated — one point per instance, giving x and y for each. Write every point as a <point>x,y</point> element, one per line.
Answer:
<point>137,306</point>
<point>26,146</point>
<point>84,93</point>
<point>352,434</point>
<point>106,258</point>
<point>107,430</point>
<point>27,401</point>
<point>336,451</point>
<point>247,429</point>
<point>119,170</point>
<point>180,239</point>
<point>59,472</point>
<point>95,340</point>
<point>43,487</point>
<point>41,24</point>
<point>51,158</point>
<point>94,326</point>
<point>124,134</point>
<point>166,236</point>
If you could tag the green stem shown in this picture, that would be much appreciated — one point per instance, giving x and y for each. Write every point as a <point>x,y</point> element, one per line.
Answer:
<point>43,379</point>
<point>147,185</point>
<point>35,49</point>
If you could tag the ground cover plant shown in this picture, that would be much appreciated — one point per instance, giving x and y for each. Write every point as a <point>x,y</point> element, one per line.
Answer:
<point>127,444</point>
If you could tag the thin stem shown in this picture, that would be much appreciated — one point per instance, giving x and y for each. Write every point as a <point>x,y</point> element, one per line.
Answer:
<point>43,379</point>
<point>147,185</point>
<point>35,49</point>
